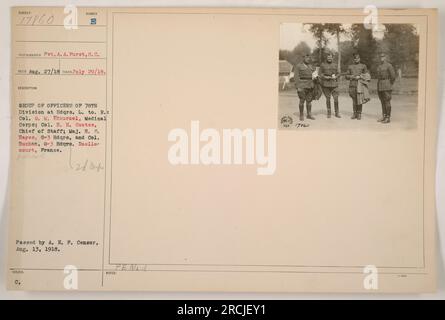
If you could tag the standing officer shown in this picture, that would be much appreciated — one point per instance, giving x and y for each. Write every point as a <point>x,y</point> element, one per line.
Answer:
<point>305,86</point>
<point>386,77</point>
<point>355,72</point>
<point>329,83</point>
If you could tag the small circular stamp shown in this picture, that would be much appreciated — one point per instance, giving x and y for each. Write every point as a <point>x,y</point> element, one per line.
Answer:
<point>286,121</point>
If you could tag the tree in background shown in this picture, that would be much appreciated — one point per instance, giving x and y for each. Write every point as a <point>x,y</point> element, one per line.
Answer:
<point>366,46</point>
<point>347,49</point>
<point>318,31</point>
<point>401,41</point>
<point>295,56</point>
<point>336,29</point>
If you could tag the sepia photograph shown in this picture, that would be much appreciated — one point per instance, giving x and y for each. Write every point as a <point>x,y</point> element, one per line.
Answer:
<point>331,74</point>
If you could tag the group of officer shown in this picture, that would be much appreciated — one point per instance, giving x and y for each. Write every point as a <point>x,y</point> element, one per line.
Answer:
<point>307,81</point>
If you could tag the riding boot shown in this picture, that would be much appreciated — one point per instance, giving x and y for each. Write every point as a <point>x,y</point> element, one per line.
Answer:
<point>384,114</point>
<point>301,107</point>
<point>337,112</point>
<point>359,112</point>
<point>309,113</point>
<point>354,111</point>
<point>388,114</point>
<point>328,106</point>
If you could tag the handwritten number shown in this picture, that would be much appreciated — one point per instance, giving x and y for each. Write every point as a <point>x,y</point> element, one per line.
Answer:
<point>37,19</point>
<point>84,166</point>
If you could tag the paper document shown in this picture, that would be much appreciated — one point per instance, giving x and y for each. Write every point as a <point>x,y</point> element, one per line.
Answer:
<point>169,149</point>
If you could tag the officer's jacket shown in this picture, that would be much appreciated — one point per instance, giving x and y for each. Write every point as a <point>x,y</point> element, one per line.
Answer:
<point>355,70</point>
<point>328,69</point>
<point>303,76</point>
<point>386,76</point>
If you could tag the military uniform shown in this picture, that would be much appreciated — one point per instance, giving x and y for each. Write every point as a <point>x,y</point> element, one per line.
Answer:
<point>305,87</point>
<point>386,77</point>
<point>329,85</point>
<point>354,70</point>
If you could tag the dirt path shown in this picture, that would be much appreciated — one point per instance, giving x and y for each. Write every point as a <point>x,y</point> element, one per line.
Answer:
<point>404,114</point>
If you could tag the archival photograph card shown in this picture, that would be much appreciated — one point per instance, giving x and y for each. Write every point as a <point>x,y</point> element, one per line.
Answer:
<point>227,150</point>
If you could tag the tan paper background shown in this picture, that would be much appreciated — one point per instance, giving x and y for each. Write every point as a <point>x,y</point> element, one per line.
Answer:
<point>339,200</point>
